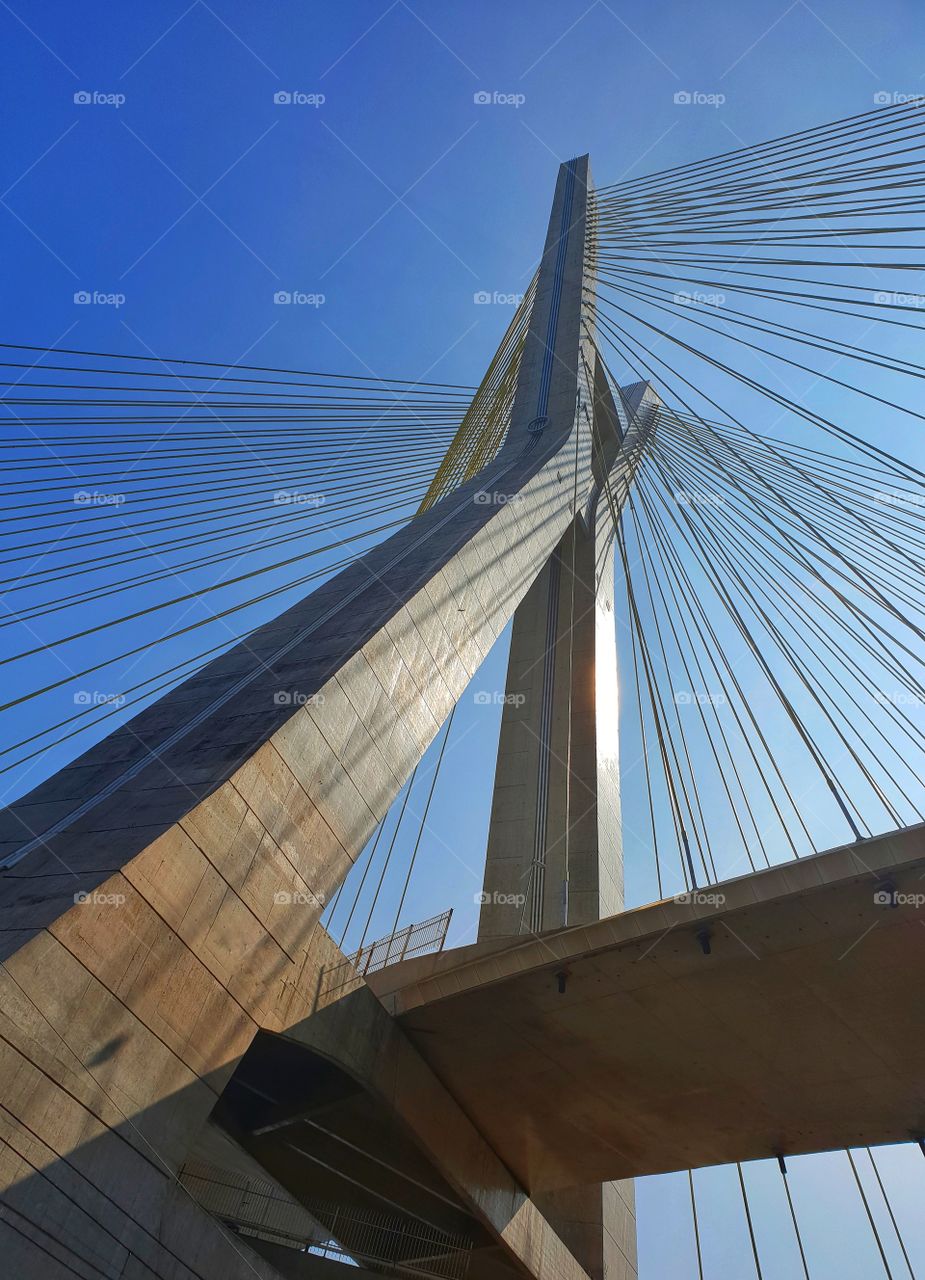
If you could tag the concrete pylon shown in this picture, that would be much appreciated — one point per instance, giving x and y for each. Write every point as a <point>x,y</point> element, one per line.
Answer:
<point>159,896</point>
<point>554,854</point>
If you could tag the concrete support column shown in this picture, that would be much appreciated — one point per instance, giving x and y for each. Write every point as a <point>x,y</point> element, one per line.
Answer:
<point>555,854</point>
<point>552,859</point>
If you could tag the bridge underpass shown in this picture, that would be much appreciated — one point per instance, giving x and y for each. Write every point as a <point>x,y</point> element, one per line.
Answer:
<point>690,1033</point>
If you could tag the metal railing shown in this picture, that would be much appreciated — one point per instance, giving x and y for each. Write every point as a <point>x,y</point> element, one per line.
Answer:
<point>414,940</point>
<point>405,1246</point>
<point>260,1206</point>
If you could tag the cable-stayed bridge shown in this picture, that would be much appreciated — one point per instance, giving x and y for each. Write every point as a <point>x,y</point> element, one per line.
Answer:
<point>243,604</point>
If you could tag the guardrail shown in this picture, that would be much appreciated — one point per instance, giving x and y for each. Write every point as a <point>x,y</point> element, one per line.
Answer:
<point>414,940</point>
<point>405,1246</point>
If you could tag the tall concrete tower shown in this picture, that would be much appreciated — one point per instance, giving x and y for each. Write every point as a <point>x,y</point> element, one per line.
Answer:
<point>554,855</point>
<point>152,982</point>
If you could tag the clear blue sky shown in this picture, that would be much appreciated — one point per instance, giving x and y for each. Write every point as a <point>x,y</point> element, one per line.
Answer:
<point>398,198</point>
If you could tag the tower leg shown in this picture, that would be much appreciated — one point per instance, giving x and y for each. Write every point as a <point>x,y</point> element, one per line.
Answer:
<point>554,850</point>
<point>555,855</point>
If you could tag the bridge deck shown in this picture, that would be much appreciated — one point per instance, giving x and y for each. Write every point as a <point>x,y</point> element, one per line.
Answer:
<point>799,1031</point>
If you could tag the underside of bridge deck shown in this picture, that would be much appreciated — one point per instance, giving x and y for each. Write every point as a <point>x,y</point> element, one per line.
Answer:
<point>774,1014</point>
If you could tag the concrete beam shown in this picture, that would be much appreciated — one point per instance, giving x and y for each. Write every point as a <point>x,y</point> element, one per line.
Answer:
<point>796,1032</point>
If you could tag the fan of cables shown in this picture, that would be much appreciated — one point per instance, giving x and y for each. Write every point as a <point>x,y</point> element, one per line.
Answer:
<point>154,511</point>
<point>772,544</point>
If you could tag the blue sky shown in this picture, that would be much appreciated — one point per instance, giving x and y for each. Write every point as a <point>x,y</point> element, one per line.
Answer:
<point>399,197</point>
<point>185,186</point>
